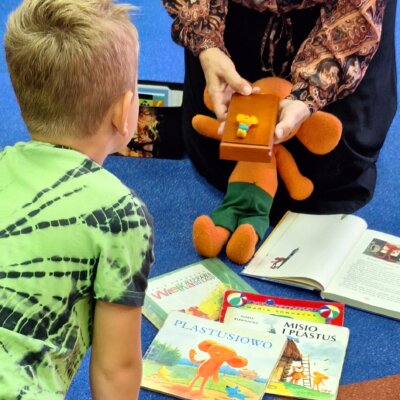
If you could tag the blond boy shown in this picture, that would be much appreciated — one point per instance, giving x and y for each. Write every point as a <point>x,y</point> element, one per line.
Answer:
<point>76,244</point>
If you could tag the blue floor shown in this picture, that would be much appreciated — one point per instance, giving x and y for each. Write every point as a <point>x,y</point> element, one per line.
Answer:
<point>176,195</point>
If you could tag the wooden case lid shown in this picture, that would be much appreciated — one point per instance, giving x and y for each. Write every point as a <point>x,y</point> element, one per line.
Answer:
<point>257,145</point>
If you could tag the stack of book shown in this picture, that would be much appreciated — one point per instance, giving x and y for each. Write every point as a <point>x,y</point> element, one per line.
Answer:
<point>159,132</point>
<point>218,338</point>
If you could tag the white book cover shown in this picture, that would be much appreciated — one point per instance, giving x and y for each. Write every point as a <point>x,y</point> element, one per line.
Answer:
<point>312,362</point>
<point>192,357</point>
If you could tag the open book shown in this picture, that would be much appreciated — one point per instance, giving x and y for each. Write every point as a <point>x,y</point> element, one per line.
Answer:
<point>336,254</point>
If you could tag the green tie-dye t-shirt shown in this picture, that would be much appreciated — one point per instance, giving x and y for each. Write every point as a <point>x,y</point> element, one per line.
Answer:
<point>70,233</point>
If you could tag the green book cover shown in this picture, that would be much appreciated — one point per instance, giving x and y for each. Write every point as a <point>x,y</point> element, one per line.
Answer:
<point>197,289</point>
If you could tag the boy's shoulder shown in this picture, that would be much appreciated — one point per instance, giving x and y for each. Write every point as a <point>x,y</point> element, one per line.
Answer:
<point>60,169</point>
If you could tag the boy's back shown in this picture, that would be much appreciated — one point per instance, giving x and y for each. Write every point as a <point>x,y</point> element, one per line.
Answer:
<point>76,243</point>
<point>65,223</point>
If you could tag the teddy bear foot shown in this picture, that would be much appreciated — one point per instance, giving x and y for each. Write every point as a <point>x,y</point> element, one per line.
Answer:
<point>208,238</point>
<point>242,245</point>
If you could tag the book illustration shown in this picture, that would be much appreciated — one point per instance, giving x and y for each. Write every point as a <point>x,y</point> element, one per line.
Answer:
<point>197,289</point>
<point>311,364</point>
<point>234,393</point>
<point>307,310</point>
<point>157,134</point>
<point>329,312</point>
<point>383,250</point>
<point>277,262</point>
<point>151,100</point>
<point>192,357</point>
<point>210,306</point>
<point>144,141</point>
<point>161,94</point>
<point>218,354</point>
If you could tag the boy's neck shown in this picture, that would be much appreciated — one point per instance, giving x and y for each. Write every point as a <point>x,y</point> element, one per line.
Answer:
<point>112,134</point>
<point>96,147</point>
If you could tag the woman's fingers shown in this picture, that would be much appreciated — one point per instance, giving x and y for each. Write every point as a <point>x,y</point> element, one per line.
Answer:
<point>292,113</point>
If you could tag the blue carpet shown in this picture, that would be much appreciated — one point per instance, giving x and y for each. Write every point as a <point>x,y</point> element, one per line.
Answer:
<point>176,194</point>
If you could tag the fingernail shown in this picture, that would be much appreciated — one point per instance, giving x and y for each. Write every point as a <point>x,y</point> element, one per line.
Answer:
<point>246,90</point>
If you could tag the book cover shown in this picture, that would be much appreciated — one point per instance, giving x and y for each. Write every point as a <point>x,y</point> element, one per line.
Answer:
<point>195,358</point>
<point>323,312</point>
<point>196,289</point>
<point>160,94</point>
<point>158,134</point>
<point>312,362</point>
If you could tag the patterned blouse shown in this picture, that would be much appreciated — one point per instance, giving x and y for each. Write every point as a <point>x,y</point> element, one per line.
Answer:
<point>330,63</point>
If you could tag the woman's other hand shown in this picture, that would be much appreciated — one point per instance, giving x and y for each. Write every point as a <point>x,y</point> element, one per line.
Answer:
<point>292,113</point>
<point>222,80</point>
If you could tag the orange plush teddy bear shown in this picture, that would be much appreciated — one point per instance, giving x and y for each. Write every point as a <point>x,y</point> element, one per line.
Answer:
<point>243,217</point>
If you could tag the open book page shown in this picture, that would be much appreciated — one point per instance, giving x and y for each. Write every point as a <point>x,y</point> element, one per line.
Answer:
<point>370,277</point>
<point>306,249</point>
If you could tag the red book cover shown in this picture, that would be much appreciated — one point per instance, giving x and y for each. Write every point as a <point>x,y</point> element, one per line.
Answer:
<point>308,310</point>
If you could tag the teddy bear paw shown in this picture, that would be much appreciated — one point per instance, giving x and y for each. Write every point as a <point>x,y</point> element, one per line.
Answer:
<point>208,238</point>
<point>242,245</point>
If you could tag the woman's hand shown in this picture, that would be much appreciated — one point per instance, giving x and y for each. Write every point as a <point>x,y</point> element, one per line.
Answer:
<point>222,80</point>
<point>292,113</point>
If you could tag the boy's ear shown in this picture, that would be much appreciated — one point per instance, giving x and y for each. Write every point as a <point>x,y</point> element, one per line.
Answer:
<point>120,113</point>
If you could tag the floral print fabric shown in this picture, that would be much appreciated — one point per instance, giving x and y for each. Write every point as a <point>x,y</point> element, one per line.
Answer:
<point>330,63</point>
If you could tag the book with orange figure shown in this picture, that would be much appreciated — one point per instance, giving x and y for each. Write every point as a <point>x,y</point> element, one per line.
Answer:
<point>311,364</point>
<point>195,358</point>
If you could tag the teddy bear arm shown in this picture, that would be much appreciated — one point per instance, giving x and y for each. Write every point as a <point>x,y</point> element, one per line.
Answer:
<point>320,133</point>
<point>206,126</point>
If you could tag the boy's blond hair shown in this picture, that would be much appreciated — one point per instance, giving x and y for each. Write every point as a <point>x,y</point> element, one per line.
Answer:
<point>69,60</point>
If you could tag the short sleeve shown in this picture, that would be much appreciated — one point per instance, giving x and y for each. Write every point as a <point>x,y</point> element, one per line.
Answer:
<point>125,252</point>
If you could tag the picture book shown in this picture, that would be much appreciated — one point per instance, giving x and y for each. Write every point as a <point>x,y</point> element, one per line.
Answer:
<point>195,358</point>
<point>337,255</point>
<point>322,312</point>
<point>158,134</point>
<point>196,289</point>
<point>312,362</point>
<point>160,94</point>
